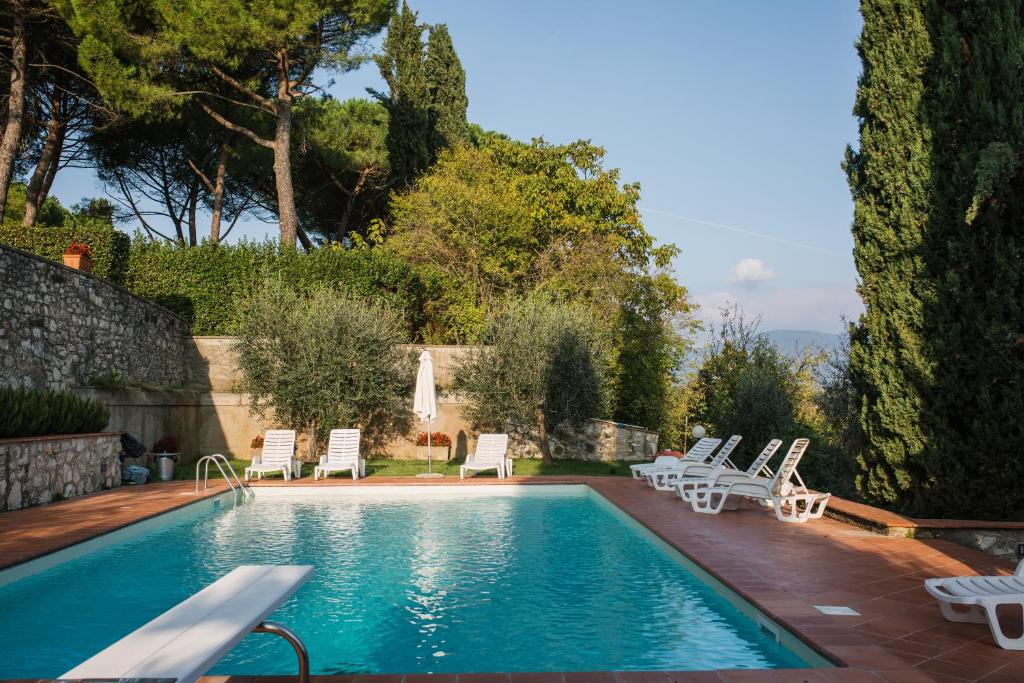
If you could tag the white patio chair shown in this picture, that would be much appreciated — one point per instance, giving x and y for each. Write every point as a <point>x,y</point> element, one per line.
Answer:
<point>278,456</point>
<point>759,467</point>
<point>491,454</point>
<point>699,452</point>
<point>791,502</point>
<point>979,598</point>
<point>342,454</point>
<point>665,480</point>
<point>660,463</point>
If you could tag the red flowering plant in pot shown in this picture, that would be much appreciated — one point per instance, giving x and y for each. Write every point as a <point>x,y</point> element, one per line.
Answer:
<point>440,445</point>
<point>79,255</point>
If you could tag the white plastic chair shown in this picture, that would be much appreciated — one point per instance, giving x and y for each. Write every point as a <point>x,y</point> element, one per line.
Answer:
<point>660,463</point>
<point>665,480</point>
<point>342,454</point>
<point>759,467</point>
<point>491,454</point>
<point>698,452</point>
<point>278,456</point>
<point>792,502</point>
<point>979,598</point>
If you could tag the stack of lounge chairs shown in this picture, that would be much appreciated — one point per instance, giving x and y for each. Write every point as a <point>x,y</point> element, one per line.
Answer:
<point>710,481</point>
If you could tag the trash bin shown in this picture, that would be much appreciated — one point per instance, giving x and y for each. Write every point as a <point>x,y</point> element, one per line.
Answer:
<point>164,463</point>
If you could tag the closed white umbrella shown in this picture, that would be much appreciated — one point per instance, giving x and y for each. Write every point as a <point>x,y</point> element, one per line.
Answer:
<point>425,402</point>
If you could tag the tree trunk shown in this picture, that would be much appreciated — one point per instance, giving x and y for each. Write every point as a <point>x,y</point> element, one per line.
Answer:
<point>49,159</point>
<point>545,447</point>
<point>15,108</point>
<point>283,166</point>
<point>218,191</point>
<point>193,204</point>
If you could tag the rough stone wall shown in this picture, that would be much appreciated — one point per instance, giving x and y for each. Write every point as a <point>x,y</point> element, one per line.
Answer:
<point>999,542</point>
<point>42,469</point>
<point>60,327</point>
<point>596,441</point>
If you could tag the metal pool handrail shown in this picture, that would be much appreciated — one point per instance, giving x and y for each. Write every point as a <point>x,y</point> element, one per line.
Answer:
<point>217,459</point>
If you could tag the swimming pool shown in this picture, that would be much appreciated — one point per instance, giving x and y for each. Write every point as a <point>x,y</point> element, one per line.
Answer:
<point>408,580</point>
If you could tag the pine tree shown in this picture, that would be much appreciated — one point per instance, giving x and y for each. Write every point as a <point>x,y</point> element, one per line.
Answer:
<point>939,195</point>
<point>447,82</point>
<point>402,66</point>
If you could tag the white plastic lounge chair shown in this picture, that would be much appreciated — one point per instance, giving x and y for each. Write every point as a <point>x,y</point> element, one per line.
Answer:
<point>342,454</point>
<point>759,467</point>
<point>183,643</point>
<point>792,502</point>
<point>979,598</point>
<point>278,455</point>
<point>699,452</point>
<point>665,480</point>
<point>491,454</point>
<point>660,463</point>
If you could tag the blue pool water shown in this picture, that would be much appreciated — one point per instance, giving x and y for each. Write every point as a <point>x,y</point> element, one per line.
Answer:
<point>552,579</point>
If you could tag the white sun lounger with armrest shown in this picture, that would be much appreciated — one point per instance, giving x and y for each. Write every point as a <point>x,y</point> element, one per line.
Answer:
<point>792,502</point>
<point>699,452</point>
<point>342,454</point>
<point>278,456</point>
<point>184,642</point>
<point>759,467</point>
<point>665,480</point>
<point>662,462</point>
<point>491,454</point>
<point>979,598</point>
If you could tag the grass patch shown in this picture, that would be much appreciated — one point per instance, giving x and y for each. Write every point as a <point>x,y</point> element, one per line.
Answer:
<point>387,467</point>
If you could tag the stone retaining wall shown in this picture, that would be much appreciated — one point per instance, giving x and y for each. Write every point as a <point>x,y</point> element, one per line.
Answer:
<point>43,469</point>
<point>60,327</point>
<point>596,441</point>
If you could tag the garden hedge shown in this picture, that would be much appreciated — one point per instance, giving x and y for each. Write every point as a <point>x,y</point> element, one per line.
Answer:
<point>206,284</point>
<point>110,247</point>
<point>44,412</point>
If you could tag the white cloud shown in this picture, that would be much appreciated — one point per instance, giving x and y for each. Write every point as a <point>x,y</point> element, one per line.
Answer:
<point>751,272</point>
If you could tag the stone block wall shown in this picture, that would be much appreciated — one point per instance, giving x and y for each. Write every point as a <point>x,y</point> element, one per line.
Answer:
<point>596,441</point>
<point>42,469</point>
<point>60,327</point>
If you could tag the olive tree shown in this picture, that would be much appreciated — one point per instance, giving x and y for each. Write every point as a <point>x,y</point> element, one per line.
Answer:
<point>543,365</point>
<point>321,360</point>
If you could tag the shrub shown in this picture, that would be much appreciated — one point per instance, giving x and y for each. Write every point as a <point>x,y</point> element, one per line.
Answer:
<point>109,247</point>
<point>322,359</point>
<point>545,365</point>
<point>43,412</point>
<point>204,284</point>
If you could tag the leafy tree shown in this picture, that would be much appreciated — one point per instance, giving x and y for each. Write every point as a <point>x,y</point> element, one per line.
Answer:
<point>937,186</point>
<point>251,56</point>
<point>52,213</point>
<point>747,386</point>
<point>838,404</point>
<point>321,360</point>
<point>446,80</point>
<point>545,365</point>
<point>402,66</point>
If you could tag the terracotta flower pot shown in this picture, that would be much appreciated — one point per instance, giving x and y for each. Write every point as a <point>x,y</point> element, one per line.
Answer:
<point>78,261</point>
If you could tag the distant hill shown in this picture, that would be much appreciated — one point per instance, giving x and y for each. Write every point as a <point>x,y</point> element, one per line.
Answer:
<point>790,341</point>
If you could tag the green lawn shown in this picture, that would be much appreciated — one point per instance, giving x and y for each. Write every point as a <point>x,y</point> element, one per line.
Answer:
<point>409,468</point>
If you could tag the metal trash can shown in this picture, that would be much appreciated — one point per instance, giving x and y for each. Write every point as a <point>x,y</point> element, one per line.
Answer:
<point>164,464</point>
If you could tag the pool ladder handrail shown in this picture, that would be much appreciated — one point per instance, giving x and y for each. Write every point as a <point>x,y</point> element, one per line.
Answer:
<point>217,459</point>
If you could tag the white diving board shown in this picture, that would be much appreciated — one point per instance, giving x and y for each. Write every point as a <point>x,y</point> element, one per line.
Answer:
<point>186,641</point>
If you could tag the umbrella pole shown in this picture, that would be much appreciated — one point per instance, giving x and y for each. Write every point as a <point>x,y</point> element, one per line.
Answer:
<point>429,439</point>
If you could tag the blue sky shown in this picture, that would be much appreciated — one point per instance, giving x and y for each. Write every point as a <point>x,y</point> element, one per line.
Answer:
<point>731,115</point>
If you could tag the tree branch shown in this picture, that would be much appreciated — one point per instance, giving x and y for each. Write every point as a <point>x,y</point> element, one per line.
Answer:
<point>237,85</point>
<point>234,127</point>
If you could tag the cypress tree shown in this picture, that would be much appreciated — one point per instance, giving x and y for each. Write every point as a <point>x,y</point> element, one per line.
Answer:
<point>402,66</point>
<point>939,197</point>
<point>447,82</point>
<point>889,176</point>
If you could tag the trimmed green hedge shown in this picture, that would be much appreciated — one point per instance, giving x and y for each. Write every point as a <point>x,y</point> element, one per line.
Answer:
<point>205,284</point>
<point>109,247</point>
<point>44,412</point>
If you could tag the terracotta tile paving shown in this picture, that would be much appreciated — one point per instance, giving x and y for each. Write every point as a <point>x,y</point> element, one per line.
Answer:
<point>783,569</point>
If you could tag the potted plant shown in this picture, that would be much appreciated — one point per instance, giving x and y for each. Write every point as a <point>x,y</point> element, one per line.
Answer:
<point>256,447</point>
<point>440,445</point>
<point>165,454</point>
<point>78,255</point>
